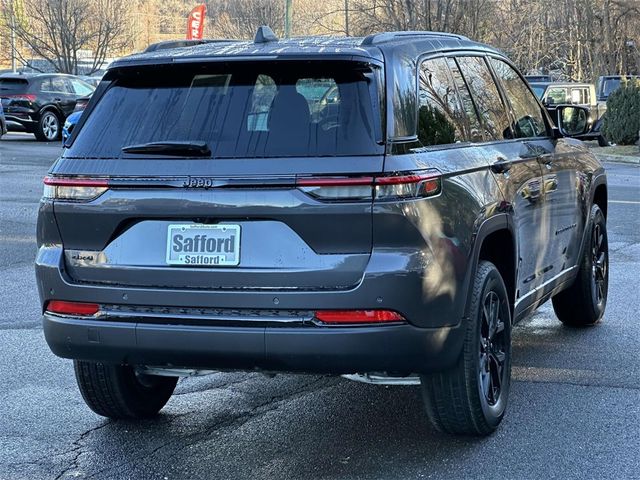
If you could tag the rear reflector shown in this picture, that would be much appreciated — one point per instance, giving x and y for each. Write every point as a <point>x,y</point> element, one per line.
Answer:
<point>81,189</point>
<point>72,308</point>
<point>358,316</point>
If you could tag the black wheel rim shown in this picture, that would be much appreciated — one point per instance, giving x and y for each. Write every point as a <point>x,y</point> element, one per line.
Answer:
<point>493,354</point>
<point>599,264</point>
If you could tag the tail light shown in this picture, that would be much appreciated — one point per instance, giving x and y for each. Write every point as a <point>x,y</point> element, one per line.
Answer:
<point>389,187</point>
<point>358,317</point>
<point>337,188</point>
<point>72,308</point>
<point>80,189</point>
<point>81,104</point>
<point>408,186</point>
<point>21,97</point>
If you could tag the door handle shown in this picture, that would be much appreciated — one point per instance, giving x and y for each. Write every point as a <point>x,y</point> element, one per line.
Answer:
<point>502,165</point>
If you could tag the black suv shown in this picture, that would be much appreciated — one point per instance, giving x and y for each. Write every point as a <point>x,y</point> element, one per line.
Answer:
<point>608,84</point>
<point>39,103</point>
<point>383,208</point>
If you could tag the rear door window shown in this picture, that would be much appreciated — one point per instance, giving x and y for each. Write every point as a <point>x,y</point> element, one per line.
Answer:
<point>56,85</point>
<point>441,117</point>
<point>529,121</point>
<point>239,109</point>
<point>475,129</point>
<point>580,96</point>
<point>484,91</point>
<point>556,95</point>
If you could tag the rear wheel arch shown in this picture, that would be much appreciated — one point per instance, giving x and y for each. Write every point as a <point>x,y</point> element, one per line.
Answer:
<point>54,109</point>
<point>495,242</point>
<point>499,248</point>
<point>600,197</point>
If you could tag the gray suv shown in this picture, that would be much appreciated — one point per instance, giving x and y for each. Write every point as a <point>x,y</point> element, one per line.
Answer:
<point>383,208</point>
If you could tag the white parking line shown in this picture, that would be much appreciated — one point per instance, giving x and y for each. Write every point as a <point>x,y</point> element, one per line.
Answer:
<point>633,202</point>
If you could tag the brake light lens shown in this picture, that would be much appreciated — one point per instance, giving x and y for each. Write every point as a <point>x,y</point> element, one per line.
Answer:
<point>346,317</point>
<point>392,187</point>
<point>81,104</point>
<point>79,189</point>
<point>408,186</point>
<point>72,308</point>
<point>337,188</point>
<point>21,97</point>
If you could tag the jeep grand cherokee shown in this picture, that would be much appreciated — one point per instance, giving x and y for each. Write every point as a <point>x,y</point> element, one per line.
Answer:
<point>384,208</point>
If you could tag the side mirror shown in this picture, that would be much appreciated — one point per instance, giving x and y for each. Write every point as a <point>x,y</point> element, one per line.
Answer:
<point>572,121</point>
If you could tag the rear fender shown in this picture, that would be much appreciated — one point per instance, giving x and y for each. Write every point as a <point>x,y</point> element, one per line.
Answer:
<point>498,222</point>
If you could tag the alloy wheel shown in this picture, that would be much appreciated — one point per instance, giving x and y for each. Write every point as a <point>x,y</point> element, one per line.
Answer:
<point>492,348</point>
<point>50,126</point>
<point>599,264</point>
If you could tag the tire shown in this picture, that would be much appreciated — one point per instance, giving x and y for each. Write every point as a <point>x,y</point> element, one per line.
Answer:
<point>603,142</point>
<point>49,127</point>
<point>471,398</point>
<point>118,392</point>
<point>584,302</point>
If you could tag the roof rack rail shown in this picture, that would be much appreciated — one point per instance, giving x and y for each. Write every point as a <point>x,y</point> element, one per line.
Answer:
<point>265,35</point>
<point>167,44</point>
<point>378,38</point>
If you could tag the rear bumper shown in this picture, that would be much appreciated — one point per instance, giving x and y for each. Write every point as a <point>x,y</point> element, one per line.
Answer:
<point>395,349</point>
<point>20,124</point>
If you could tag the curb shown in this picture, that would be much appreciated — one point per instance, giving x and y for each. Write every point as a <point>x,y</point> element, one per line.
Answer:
<point>606,157</point>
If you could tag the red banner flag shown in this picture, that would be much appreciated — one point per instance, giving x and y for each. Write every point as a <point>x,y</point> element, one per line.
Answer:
<point>195,24</point>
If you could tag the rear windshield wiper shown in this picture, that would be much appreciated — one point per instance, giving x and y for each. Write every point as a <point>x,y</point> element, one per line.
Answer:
<point>182,149</point>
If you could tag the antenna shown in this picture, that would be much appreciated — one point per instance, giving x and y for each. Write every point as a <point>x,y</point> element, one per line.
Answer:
<point>264,35</point>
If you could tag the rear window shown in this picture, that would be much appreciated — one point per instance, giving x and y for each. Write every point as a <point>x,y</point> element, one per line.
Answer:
<point>240,109</point>
<point>9,85</point>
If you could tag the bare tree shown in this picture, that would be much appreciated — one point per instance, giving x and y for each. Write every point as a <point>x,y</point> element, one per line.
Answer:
<point>241,18</point>
<point>574,39</point>
<point>61,31</point>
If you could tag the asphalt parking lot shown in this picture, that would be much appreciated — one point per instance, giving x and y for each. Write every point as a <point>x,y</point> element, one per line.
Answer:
<point>574,409</point>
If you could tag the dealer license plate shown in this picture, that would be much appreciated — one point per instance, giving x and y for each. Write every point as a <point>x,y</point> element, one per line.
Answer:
<point>203,245</point>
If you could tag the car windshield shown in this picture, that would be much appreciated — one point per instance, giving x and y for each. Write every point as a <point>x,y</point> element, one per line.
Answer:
<point>539,91</point>
<point>610,85</point>
<point>238,109</point>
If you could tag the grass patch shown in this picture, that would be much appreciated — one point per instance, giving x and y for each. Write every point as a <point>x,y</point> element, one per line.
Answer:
<point>626,150</point>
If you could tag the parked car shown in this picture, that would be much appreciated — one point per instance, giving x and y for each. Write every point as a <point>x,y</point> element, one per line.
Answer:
<point>394,237</point>
<point>609,83</point>
<point>39,103</point>
<point>553,94</point>
<point>73,119</point>
<point>538,78</point>
<point>69,125</point>
<point>3,122</point>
